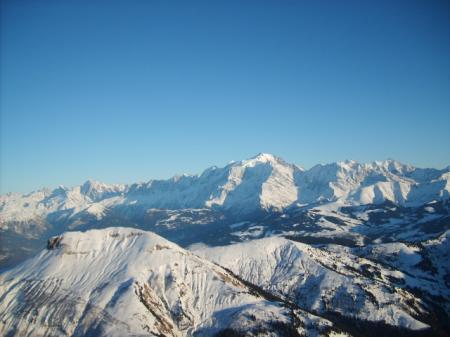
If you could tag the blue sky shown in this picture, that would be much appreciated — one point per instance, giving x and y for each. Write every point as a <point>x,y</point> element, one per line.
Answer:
<point>124,91</point>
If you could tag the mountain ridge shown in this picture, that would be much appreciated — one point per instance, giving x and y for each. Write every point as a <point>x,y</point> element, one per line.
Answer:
<point>128,282</point>
<point>263,182</point>
<point>123,282</point>
<point>247,190</point>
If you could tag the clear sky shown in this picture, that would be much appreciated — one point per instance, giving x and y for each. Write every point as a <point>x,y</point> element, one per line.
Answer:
<point>125,91</point>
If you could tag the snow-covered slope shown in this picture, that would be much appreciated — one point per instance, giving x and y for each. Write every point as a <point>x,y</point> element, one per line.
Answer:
<point>123,282</point>
<point>373,183</point>
<point>261,183</point>
<point>324,281</point>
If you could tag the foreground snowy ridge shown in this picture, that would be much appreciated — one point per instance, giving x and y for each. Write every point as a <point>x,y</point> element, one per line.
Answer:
<point>123,282</point>
<point>127,282</point>
<point>320,280</point>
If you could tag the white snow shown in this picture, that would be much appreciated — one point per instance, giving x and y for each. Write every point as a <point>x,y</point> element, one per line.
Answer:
<point>317,279</point>
<point>264,182</point>
<point>126,282</point>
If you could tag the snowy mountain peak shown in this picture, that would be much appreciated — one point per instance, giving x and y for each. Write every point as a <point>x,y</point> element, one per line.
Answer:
<point>127,282</point>
<point>392,166</point>
<point>90,185</point>
<point>264,157</point>
<point>106,239</point>
<point>262,183</point>
<point>96,190</point>
<point>348,163</point>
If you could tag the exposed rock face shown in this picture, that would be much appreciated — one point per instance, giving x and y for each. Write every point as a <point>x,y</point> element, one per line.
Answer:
<point>54,242</point>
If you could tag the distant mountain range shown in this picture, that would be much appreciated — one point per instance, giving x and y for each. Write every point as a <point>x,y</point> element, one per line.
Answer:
<point>270,249</point>
<point>262,183</point>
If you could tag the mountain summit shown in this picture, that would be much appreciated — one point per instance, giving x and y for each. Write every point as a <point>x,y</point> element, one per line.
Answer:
<point>262,183</point>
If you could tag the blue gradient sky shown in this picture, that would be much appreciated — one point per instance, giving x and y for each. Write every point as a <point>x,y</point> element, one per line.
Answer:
<point>124,91</point>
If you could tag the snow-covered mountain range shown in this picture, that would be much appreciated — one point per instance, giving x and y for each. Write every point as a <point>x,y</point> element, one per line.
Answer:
<point>344,248</point>
<point>244,190</point>
<point>264,182</point>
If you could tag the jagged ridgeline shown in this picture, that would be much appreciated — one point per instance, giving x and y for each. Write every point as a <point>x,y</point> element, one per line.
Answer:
<point>356,203</point>
<point>272,249</point>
